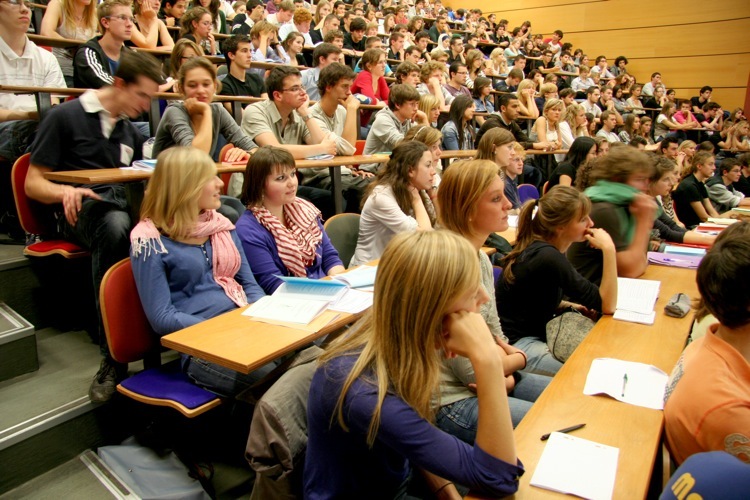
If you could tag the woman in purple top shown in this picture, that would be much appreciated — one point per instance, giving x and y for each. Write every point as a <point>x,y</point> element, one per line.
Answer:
<point>282,235</point>
<point>374,396</point>
<point>186,259</point>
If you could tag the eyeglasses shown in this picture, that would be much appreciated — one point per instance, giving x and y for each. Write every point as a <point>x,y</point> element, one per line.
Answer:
<point>296,89</point>
<point>123,18</point>
<point>17,3</point>
<point>462,72</point>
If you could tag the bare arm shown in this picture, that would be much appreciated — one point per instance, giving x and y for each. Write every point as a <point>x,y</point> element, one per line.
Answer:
<point>51,20</point>
<point>420,212</point>
<point>7,115</point>
<point>350,124</point>
<point>299,151</point>
<point>598,238</point>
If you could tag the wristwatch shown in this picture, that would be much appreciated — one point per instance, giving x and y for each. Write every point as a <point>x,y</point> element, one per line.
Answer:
<point>305,118</point>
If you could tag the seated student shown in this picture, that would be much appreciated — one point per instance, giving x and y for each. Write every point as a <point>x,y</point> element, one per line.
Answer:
<point>354,39</point>
<point>743,184</point>
<point>197,121</point>
<point>331,22</point>
<point>582,82</point>
<point>547,127</point>
<point>665,123</point>
<point>481,91</point>
<point>69,19</point>
<point>407,73</point>
<point>323,55</point>
<point>582,150</point>
<point>197,25</point>
<point>238,51</point>
<point>371,403</point>
<point>536,275</point>
<point>432,76</point>
<point>397,201</point>
<point>171,11</point>
<point>340,122</point>
<point>712,116</point>
<point>371,42</point>
<point>96,217</point>
<point>264,37</point>
<point>573,124</point>
<point>713,474</point>
<point>371,82</point>
<point>666,227</point>
<point>472,205</point>
<point>187,260</point>
<point>459,131</point>
<point>97,60</point>
<point>590,105</point>
<point>497,146</point>
<point>721,191</point>
<point>630,128</point>
<point>691,202</point>
<point>510,84</point>
<point>282,15</point>
<point>391,123</point>
<point>301,20</point>
<point>243,23</point>
<point>620,206</point>
<point>609,123</point>
<point>707,401</point>
<point>149,32</point>
<point>282,235</point>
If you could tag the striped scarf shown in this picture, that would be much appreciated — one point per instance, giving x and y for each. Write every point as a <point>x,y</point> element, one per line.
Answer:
<point>298,240</point>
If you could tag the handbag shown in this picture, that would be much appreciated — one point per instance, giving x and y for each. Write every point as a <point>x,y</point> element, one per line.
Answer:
<point>565,332</point>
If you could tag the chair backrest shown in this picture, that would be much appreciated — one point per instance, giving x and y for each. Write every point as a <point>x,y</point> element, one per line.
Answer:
<point>35,217</point>
<point>129,334</point>
<point>359,147</point>
<point>343,230</point>
<point>527,192</point>
<point>226,176</point>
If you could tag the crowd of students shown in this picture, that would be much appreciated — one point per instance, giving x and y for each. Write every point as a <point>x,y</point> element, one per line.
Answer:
<point>443,332</point>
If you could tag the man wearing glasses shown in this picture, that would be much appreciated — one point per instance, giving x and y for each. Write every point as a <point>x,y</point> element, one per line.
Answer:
<point>97,60</point>
<point>284,121</point>
<point>457,78</point>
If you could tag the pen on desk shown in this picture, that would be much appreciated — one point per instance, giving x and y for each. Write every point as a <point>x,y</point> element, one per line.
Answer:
<point>624,384</point>
<point>564,431</point>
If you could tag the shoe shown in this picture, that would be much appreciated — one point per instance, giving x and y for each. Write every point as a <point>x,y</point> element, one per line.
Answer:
<point>105,382</point>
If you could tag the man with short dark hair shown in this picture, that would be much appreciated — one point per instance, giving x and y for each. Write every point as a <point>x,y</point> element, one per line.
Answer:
<point>408,73</point>
<point>355,39</point>
<point>609,122</point>
<point>413,54</point>
<point>283,15</point>
<point>336,114</point>
<point>243,23</point>
<point>238,52</point>
<point>94,132</point>
<point>457,74</point>
<point>619,67</point>
<point>422,40</point>
<point>439,27</point>
<point>590,105</point>
<point>701,99</point>
<point>392,123</point>
<point>713,116</point>
<point>330,23</point>
<point>323,55</point>
<point>510,84</point>
<point>555,41</point>
<point>396,47</point>
<point>456,50</point>
<point>648,88</point>
<point>601,69</point>
<point>547,65</point>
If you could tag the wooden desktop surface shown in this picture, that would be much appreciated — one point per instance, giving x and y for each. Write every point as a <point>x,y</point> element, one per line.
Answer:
<point>636,431</point>
<point>242,344</point>
<point>118,175</point>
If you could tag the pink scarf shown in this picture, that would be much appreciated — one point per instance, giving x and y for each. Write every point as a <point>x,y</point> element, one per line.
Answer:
<point>298,240</point>
<point>226,261</point>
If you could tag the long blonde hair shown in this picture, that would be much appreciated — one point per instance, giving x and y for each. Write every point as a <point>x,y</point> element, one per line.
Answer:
<point>171,198</point>
<point>420,275</point>
<point>89,16</point>
<point>461,188</point>
<point>571,114</point>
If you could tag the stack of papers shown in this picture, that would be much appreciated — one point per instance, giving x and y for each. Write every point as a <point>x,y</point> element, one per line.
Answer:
<point>363,277</point>
<point>144,165</point>
<point>577,467</point>
<point>637,384</point>
<point>722,221</point>
<point>684,250</point>
<point>636,300</point>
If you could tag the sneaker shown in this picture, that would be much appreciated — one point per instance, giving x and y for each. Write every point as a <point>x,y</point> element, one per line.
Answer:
<point>105,382</point>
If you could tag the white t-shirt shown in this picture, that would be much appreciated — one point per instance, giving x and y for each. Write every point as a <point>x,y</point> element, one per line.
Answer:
<point>35,68</point>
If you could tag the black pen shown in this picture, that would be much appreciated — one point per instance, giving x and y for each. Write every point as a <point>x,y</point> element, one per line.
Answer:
<point>566,430</point>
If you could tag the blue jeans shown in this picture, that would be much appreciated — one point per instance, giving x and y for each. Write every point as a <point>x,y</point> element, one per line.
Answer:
<point>460,418</point>
<point>103,228</point>
<point>539,359</point>
<point>16,137</point>
<point>223,381</point>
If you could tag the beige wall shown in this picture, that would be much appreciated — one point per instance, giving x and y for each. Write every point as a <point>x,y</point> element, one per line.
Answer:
<point>691,42</point>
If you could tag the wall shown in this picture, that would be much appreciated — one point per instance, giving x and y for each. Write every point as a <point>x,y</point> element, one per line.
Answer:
<point>691,42</point>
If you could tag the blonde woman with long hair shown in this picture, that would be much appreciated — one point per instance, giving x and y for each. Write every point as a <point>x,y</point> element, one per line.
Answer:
<point>430,106</point>
<point>374,396</point>
<point>72,20</point>
<point>321,11</point>
<point>499,64</point>
<point>188,263</point>
<point>525,92</point>
<point>150,32</point>
<point>547,127</point>
<point>473,205</point>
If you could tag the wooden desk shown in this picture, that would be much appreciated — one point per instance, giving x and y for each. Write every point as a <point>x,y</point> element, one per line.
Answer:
<point>119,175</point>
<point>242,344</point>
<point>634,430</point>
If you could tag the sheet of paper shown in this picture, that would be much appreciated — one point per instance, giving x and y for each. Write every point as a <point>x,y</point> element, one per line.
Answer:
<point>286,309</point>
<point>513,221</point>
<point>577,467</point>
<point>353,302</point>
<point>634,317</point>
<point>360,277</point>
<point>314,326</point>
<point>637,295</point>
<point>637,384</point>
<point>680,250</point>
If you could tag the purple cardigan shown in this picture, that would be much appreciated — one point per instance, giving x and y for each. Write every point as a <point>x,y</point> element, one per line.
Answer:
<point>263,254</point>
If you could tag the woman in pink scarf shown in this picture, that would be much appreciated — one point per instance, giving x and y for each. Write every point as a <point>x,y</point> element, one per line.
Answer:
<point>187,261</point>
<point>282,235</point>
